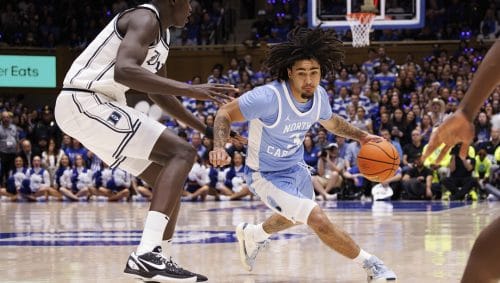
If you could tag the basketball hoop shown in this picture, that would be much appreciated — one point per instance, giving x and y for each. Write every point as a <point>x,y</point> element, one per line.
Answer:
<point>360,24</point>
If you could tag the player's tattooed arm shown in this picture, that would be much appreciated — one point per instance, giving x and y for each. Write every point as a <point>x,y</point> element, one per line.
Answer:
<point>227,114</point>
<point>222,128</point>
<point>341,127</point>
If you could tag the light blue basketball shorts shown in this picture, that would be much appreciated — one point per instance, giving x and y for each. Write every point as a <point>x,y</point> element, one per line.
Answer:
<point>288,192</point>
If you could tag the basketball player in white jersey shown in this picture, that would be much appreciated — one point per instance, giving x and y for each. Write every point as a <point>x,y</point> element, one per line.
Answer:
<point>130,53</point>
<point>483,265</point>
<point>280,114</point>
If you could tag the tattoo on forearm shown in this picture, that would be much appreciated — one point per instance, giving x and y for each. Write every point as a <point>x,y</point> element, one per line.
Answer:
<point>342,128</point>
<point>221,130</point>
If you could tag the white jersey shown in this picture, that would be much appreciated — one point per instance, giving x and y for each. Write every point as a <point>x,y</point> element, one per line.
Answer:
<point>94,68</point>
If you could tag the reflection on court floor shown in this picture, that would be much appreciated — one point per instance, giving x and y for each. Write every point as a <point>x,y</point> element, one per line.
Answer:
<point>90,242</point>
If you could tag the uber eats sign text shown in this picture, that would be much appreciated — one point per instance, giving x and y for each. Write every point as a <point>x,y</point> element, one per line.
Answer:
<point>27,71</point>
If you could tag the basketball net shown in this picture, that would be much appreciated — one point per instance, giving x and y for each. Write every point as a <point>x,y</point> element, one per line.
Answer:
<point>360,24</point>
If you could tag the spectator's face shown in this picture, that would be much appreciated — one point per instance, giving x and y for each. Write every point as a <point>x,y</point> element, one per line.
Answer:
<point>18,162</point>
<point>415,136</point>
<point>426,120</point>
<point>340,140</point>
<point>26,146</point>
<point>398,115</point>
<point>5,118</point>
<point>394,100</point>
<point>334,152</point>
<point>307,141</point>
<point>361,112</point>
<point>65,161</point>
<point>76,143</point>
<point>343,73</point>
<point>495,134</point>
<point>321,136</point>
<point>384,118</point>
<point>384,67</point>
<point>36,161</point>
<point>482,118</point>
<point>182,11</point>
<point>66,140</point>
<point>78,161</point>
<point>237,159</point>
<point>386,135</point>
<point>210,121</point>
<point>196,139</point>
<point>410,116</point>
<point>304,77</point>
<point>216,72</point>
<point>354,99</point>
<point>482,154</point>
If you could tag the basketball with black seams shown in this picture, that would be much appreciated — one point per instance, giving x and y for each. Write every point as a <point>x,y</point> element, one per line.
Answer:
<point>378,161</point>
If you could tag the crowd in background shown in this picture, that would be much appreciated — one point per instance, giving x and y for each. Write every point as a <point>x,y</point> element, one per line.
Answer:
<point>401,101</point>
<point>37,23</point>
<point>444,20</point>
<point>75,23</point>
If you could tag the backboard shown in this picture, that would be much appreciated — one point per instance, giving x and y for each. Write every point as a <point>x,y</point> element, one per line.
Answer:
<point>391,14</point>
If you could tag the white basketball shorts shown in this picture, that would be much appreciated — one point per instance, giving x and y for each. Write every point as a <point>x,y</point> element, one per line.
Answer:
<point>120,135</point>
<point>288,192</point>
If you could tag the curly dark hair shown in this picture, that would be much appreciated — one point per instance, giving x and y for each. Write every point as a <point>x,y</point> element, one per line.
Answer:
<point>319,44</point>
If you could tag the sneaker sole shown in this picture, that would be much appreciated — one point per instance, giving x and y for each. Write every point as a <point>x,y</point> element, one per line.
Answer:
<point>383,280</point>
<point>160,279</point>
<point>241,243</point>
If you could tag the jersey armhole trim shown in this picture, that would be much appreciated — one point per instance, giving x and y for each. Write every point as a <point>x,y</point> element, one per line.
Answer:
<point>160,32</point>
<point>278,118</point>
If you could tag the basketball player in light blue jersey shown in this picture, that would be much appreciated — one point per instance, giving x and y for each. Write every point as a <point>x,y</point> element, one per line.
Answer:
<point>280,114</point>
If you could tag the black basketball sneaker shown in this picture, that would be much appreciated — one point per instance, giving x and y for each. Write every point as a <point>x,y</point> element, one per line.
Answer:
<point>154,267</point>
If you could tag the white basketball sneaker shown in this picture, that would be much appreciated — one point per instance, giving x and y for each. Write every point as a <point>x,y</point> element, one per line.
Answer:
<point>247,246</point>
<point>377,271</point>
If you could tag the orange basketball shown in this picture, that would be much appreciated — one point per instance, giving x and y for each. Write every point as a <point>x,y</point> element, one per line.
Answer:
<point>378,161</point>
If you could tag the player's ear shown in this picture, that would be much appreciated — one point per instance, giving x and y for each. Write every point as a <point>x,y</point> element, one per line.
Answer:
<point>289,72</point>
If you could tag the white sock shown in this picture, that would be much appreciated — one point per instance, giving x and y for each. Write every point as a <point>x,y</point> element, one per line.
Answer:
<point>166,247</point>
<point>362,257</point>
<point>153,232</point>
<point>259,235</point>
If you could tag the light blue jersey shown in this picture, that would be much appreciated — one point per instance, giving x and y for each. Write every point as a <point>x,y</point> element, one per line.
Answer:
<point>278,124</point>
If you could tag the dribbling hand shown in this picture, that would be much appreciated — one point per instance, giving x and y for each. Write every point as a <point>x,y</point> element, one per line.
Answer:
<point>455,129</point>
<point>219,157</point>
<point>371,138</point>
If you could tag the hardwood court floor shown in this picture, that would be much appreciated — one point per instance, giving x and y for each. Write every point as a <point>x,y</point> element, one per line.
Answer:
<point>90,242</point>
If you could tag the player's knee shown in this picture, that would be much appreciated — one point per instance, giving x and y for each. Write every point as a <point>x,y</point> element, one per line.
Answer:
<point>317,219</point>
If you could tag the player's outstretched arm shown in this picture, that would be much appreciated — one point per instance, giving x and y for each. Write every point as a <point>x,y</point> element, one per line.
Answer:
<point>341,127</point>
<point>458,127</point>
<point>174,107</point>
<point>222,128</point>
<point>141,29</point>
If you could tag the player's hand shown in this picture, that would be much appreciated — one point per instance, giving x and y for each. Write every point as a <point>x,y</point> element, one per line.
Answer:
<point>371,138</point>
<point>214,92</point>
<point>219,157</point>
<point>455,129</point>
